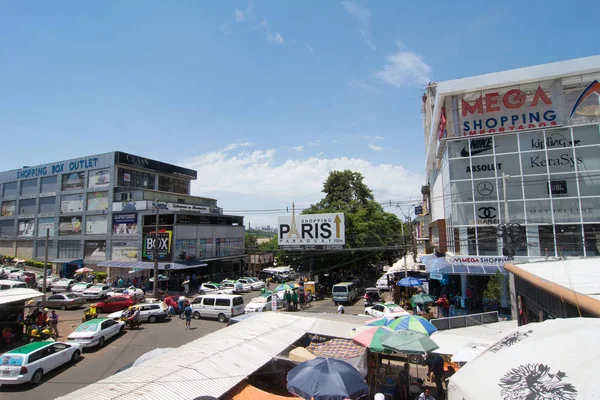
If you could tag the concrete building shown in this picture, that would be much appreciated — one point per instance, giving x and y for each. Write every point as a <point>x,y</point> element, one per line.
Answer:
<point>100,211</point>
<point>540,126</point>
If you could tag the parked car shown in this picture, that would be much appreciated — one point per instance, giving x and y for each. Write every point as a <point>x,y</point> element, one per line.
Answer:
<point>62,285</point>
<point>80,287</point>
<point>30,362</point>
<point>6,284</point>
<point>130,291</point>
<point>116,303</point>
<point>97,291</point>
<point>219,306</point>
<point>148,312</point>
<point>255,283</point>
<point>389,310</point>
<point>63,301</point>
<point>95,332</point>
<point>235,287</point>
<point>263,303</point>
<point>274,276</point>
<point>16,274</point>
<point>211,287</point>
<point>49,281</point>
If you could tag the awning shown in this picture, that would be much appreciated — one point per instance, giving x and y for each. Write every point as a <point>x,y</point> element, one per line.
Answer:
<point>149,265</point>
<point>67,261</point>
<point>224,258</point>
<point>464,265</point>
<point>18,294</point>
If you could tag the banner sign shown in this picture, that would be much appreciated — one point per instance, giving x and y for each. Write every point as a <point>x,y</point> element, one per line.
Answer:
<point>45,224</point>
<point>125,224</point>
<point>162,243</point>
<point>123,251</point>
<point>130,205</point>
<point>95,250</point>
<point>99,178</point>
<point>26,227</point>
<point>478,260</point>
<point>312,230</point>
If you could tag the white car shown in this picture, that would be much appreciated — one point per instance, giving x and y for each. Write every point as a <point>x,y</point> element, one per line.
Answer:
<point>80,287</point>
<point>30,362</point>
<point>214,288</point>
<point>62,285</point>
<point>148,312</point>
<point>96,332</point>
<point>388,310</point>
<point>246,286</point>
<point>97,291</point>
<point>263,303</point>
<point>16,275</point>
<point>131,291</point>
<point>255,284</point>
<point>49,281</point>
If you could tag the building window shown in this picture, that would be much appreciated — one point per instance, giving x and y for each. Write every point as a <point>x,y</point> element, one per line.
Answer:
<point>49,184</point>
<point>97,201</point>
<point>9,208</point>
<point>186,219</point>
<point>569,240</point>
<point>592,239</point>
<point>7,228</point>
<point>40,249</point>
<point>546,233</point>
<point>47,205</point>
<point>488,241</point>
<point>133,178</point>
<point>456,240</point>
<point>70,226</point>
<point>74,181</point>
<point>28,187</point>
<point>69,249</point>
<point>173,185</point>
<point>164,219</point>
<point>96,225</point>
<point>9,189</point>
<point>27,206</point>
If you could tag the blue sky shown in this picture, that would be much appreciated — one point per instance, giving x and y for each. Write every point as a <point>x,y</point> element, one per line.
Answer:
<point>262,97</point>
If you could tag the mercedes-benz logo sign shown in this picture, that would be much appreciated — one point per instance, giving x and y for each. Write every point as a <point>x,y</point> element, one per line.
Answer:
<point>485,188</point>
<point>487,212</point>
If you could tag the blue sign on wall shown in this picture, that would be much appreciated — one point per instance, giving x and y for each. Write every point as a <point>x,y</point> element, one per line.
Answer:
<point>59,168</point>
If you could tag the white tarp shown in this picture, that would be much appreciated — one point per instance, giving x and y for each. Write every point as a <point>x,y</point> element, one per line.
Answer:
<point>555,359</point>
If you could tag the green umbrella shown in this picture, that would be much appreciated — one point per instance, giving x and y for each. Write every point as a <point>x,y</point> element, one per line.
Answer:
<point>422,298</point>
<point>408,341</point>
<point>369,336</point>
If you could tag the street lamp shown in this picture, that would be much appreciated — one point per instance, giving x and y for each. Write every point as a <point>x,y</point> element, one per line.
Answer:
<point>155,283</point>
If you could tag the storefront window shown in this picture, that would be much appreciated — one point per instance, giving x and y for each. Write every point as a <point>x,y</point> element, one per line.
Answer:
<point>531,141</point>
<point>47,205</point>
<point>461,191</point>
<point>558,138</point>
<point>585,135</point>
<point>49,184</point>
<point>568,240</point>
<point>472,241</point>
<point>589,183</point>
<point>508,164</point>
<point>488,241</point>
<point>133,178</point>
<point>455,148</point>
<point>9,189</point>
<point>534,163</point>
<point>27,206</point>
<point>29,187</point>
<point>592,239</point>
<point>7,228</point>
<point>588,158</point>
<point>173,185</point>
<point>462,214</point>
<point>546,240</point>
<point>69,249</point>
<point>566,210</point>
<point>538,212</point>
<point>514,190</point>
<point>506,144</point>
<point>590,209</point>
<point>536,187</point>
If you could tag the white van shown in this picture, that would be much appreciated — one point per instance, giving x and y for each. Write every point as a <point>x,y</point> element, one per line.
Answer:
<point>382,283</point>
<point>344,292</point>
<point>6,284</point>
<point>218,306</point>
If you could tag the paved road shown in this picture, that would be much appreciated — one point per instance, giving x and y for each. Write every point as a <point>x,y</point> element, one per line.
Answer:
<point>97,364</point>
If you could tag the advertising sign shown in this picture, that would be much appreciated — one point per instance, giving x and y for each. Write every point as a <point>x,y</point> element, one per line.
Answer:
<point>123,251</point>
<point>478,260</point>
<point>73,181</point>
<point>45,224</point>
<point>185,249</point>
<point>96,225</point>
<point>130,205</point>
<point>99,178</point>
<point>125,224</point>
<point>162,242</point>
<point>69,226</point>
<point>191,208</point>
<point>146,163</point>
<point>95,250</point>
<point>97,201</point>
<point>312,230</point>
<point>71,203</point>
<point>9,208</point>
<point>60,168</point>
<point>26,227</point>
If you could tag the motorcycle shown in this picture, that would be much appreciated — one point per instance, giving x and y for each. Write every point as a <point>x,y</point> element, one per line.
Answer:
<point>131,323</point>
<point>87,316</point>
<point>42,336</point>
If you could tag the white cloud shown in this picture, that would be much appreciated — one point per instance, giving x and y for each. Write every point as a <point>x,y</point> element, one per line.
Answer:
<point>237,145</point>
<point>404,68</point>
<point>249,181</point>
<point>363,18</point>
<point>375,148</point>
<point>359,84</point>
<point>275,38</point>
<point>373,137</point>
<point>239,15</point>
<point>298,148</point>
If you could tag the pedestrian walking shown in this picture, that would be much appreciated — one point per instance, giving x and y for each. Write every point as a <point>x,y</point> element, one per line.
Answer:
<point>340,309</point>
<point>287,297</point>
<point>53,321</point>
<point>188,315</point>
<point>295,300</point>
<point>181,305</point>
<point>186,287</point>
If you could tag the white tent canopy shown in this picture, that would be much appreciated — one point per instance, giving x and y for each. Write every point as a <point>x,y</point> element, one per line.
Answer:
<point>555,359</point>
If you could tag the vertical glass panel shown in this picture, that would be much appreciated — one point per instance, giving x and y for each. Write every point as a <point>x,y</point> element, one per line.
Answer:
<point>562,160</point>
<point>547,240</point>
<point>584,135</point>
<point>590,209</point>
<point>538,211</point>
<point>588,158</point>
<point>569,240</point>
<point>508,164</point>
<point>558,138</point>
<point>534,163</point>
<point>488,241</point>
<point>514,190</point>
<point>462,214</point>
<point>565,210</point>
<point>532,141</point>
<point>484,167</point>
<point>592,239</point>
<point>29,187</point>
<point>536,187</point>
<point>589,183</point>
<point>516,212</point>
<point>458,148</point>
<point>461,191</point>
<point>460,169</point>
<point>49,184</point>
<point>485,190</point>
<point>506,144</point>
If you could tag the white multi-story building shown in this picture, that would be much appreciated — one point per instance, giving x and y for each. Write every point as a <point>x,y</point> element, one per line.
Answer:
<point>540,126</point>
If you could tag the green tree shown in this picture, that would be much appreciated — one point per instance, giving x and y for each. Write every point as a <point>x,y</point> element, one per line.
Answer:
<point>494,287</point>
<point>250,241</point>
<point>375,234</point>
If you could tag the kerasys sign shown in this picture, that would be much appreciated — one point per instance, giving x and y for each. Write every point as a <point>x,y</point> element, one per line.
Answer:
<point>312,231</point>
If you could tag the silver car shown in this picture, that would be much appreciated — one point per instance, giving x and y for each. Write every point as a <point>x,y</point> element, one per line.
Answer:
<point>63,301</point>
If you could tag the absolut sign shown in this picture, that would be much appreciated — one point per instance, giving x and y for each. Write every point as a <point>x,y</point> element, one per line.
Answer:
<point>484,167</point>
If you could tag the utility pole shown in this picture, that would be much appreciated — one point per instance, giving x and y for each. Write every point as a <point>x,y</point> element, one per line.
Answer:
<point>504,182</point>
<point>404,249</point>
<point>45,283</point>
<point>155,284</point>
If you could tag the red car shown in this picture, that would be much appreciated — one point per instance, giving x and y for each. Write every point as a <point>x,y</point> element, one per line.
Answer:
<point>116,303</point>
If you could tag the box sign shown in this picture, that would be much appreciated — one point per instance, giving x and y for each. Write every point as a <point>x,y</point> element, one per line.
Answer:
<point>312,230</point>
<point>163,243</point>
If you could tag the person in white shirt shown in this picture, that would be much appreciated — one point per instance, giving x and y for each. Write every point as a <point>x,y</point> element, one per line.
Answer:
<point>426,395</point>
<point>340,309</point>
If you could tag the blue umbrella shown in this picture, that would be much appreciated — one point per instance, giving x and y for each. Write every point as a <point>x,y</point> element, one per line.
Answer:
<point>326,379</point>
<point>409,282</point>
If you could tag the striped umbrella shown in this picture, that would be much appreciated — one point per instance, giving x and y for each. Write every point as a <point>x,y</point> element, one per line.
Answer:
<point>370,336</point>
<point>413,323</point>
<point>283,287</point>
<point>383,321</point>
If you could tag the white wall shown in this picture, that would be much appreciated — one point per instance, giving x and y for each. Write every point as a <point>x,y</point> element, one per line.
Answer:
<point>437,199</point>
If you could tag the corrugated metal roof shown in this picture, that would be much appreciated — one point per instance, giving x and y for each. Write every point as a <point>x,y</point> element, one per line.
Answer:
<point>18,294</point>
<point>580,275</point>
<point>211,365</point>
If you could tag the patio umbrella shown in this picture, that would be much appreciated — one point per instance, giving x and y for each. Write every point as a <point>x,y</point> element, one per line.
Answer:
<point>84,270</point>
<point>408,342</point>
<point>326,379</point>
<point>283,287</point>
<point>370,337</point>
<point>422,298</point>
<point>409,282</point>
<point>413,323</point>
<point>161,278</point>
<point>554,359</point>
<point>383,321</point>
